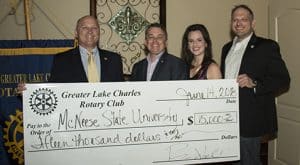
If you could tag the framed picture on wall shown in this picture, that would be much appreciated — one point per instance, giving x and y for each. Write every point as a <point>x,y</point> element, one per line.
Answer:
<point>122,25</point>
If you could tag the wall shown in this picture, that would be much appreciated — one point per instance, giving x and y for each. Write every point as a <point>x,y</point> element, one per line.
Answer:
<point>53,19</point>
<point>284,27</point>
<point>56,19</point>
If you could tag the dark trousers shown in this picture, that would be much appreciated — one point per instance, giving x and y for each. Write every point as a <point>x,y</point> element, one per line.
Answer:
<point>250,151</point>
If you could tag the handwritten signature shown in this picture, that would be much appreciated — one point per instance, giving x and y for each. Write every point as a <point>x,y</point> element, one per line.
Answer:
<point>185,151</point>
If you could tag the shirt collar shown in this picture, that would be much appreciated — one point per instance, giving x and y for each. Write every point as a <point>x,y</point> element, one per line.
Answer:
<point>85,51</point>
<point>157,57</point>
<point>243,41</point>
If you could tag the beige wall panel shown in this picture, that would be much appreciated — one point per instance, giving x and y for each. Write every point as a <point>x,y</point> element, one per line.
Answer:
<point>215,15</point>
<point>53,19</point>
<point>287,144</point>
<point>289,43</point>
<point>288,127</point>
<point>284,27</point>
<point>12,23</point>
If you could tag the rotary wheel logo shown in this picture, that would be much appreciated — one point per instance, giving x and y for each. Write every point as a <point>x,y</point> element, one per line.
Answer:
<point>43,101</point>
<point>13,136</point>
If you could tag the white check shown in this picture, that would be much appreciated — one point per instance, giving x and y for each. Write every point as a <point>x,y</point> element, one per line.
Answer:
<point>127,123</point>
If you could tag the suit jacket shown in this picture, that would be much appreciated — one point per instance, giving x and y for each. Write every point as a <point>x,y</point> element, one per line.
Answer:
<point>68,67</point>
<point>263,63</point>
<point>168,67</point>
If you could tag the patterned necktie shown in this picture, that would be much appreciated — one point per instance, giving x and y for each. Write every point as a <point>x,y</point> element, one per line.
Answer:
<point>93,75</point>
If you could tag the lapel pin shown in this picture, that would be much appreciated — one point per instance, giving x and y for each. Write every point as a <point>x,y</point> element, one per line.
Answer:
<point>252,46</point>
<point>105,58</point>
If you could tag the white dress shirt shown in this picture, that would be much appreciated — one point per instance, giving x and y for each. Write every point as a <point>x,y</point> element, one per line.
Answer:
<point>234,58</point>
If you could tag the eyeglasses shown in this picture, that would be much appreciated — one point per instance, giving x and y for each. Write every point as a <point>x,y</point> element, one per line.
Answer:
<point>152,38</point>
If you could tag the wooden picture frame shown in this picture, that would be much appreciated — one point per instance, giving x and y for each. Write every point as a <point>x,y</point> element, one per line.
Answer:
<point>162,10</point>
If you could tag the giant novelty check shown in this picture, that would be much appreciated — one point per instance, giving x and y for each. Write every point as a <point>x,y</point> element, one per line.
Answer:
<point>127,123</point>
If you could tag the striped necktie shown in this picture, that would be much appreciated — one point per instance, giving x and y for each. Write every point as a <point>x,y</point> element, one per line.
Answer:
<point>93,75</point>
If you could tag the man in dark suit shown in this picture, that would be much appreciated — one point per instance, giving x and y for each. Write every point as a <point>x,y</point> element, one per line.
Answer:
<point>257,65</point>
<point>72,65</point>
<point>159,65</point>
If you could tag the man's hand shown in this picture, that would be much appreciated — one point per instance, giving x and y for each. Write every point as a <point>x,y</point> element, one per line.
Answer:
<point>245,81</point>
<point>21,87</point>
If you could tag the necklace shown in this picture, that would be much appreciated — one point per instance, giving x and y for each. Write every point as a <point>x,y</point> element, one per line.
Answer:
<point>195,65</point>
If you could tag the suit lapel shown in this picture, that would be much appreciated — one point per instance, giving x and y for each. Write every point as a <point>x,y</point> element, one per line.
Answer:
<point>251,44</point>
<point>77,62</point>
<point>224,55</point>
<point>144,68</point>
<point>104,60</point>
<point>248,52</point>
<point>158,68</point>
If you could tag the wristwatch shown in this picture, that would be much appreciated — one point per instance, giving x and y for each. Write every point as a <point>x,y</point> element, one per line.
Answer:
<point>254,82</point>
